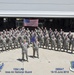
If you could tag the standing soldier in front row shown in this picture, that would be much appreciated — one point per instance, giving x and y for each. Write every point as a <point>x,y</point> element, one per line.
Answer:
<point>63,44</point>
<point>36,48</point>
<point>53,42</point>
<point>72,43</point>
<point>69,36</point>
<point>59,42</point>
<point>15,41</point>
<point>10,42</point>
<point>47,41</point>
<point>66,44</point>
<point>4,42</point>
<point>24,46</point>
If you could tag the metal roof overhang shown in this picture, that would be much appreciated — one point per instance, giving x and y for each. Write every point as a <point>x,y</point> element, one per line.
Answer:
<point>47,14</point>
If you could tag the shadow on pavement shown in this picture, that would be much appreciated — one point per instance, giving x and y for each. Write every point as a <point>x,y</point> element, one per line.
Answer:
<point>33,56</point>
<point>21,60</point>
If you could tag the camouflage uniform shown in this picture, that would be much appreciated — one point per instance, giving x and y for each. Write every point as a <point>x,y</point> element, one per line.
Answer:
<point>24,50</point>
<point>59,42</point>
<point>53,42</point>
<point>66,45</point>
<point>72,43</point>
<point>36,48</point>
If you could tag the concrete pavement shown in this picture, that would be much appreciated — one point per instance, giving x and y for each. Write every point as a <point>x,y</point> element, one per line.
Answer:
<point>47,64</point>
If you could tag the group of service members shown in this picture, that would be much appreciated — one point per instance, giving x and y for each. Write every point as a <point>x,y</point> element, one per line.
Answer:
<point>40,37</point>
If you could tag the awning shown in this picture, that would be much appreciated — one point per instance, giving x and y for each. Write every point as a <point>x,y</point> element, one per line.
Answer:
<point>62,14</point>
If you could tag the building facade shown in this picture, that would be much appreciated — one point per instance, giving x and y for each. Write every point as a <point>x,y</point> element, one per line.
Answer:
<point>61,12</point>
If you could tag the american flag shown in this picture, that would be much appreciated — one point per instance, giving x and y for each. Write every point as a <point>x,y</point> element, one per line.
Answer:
<point>31,22</point>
